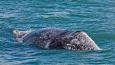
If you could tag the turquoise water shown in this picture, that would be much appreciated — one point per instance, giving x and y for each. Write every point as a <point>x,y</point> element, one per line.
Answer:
<point>96,17</point>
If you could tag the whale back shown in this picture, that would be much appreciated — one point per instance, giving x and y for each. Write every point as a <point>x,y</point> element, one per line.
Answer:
<point>46,38</point>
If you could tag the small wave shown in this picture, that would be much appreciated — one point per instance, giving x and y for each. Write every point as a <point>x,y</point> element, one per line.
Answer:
<point>7,15</point>
<point>53,14</point>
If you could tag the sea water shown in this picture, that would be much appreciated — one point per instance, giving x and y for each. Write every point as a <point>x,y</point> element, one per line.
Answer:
<point>96,17</point>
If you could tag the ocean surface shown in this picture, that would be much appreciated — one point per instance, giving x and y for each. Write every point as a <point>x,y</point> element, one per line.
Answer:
<point>96,17</point>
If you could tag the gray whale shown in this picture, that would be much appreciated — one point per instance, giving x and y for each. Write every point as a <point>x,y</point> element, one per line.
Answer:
<point>54,38</point>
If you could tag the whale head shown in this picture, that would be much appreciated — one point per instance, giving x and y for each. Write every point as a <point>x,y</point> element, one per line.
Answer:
<point>81,41</point>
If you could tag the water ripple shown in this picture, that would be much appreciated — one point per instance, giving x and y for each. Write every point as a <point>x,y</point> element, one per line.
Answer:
<point>96,17</point>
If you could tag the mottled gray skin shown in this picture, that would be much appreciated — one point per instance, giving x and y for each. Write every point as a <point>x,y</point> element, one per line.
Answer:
<point>53,38</point>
